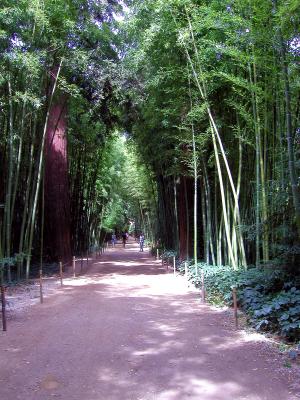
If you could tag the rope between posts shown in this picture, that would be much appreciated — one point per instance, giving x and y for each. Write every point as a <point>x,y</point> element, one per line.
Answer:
<point>66,264</point>
<point>70,263</point>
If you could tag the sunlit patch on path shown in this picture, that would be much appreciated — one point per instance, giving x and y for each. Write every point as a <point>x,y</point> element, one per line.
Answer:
<point>129,330</point>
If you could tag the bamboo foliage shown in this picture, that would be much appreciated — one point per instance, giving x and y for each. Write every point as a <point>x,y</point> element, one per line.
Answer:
<point>208,92</point>
<point>240,96</point>
<point>35,38</point>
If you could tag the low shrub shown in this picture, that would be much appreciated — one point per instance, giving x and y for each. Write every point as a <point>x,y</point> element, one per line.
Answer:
<point>168,254</point>
<point>271,299</point>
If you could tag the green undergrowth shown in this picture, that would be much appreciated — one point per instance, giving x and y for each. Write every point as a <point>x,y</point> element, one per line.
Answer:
<point>168,254</point>
<point>270,299</point>
<point>163,253</point>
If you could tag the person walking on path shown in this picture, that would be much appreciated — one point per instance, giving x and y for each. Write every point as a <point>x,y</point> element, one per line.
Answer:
<point>113,239</point>
<point>142,240</point>
<point>124,238</point>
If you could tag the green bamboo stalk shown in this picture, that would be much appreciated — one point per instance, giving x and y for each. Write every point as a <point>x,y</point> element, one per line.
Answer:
<point>8,200</point>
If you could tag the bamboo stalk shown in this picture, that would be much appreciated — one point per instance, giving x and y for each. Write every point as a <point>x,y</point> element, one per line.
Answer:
<point>201,84</point>
<point>42,237</point>
<point>195,172</point>
<point>8,199</point>
<point>177,246</point>
<point>257,171</point>
<point>17,174</point>
<point>289,134</point>
<point>25,209</point>
<point>187,218</point>
<point>209,213</point>
<point>224,206</point>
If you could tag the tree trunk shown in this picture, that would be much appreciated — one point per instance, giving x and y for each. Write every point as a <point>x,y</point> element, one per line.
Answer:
<point>57,198</point>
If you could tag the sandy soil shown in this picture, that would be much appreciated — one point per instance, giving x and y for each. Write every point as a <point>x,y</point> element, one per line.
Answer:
<point>128,330</point>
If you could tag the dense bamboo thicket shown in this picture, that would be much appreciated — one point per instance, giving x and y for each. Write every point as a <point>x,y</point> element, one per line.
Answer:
<point>56,60</point>
<point>177,118</point>
<point>221,102</point>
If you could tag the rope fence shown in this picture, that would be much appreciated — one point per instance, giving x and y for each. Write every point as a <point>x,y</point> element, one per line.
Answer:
<point>96,252</point>
<point>170,262</point>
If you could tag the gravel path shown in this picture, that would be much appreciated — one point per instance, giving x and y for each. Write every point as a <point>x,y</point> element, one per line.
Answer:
<point>128,330</point>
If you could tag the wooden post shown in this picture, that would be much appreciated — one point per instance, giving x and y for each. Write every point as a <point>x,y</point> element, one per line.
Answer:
<point>81,261</point>
<point>41,287</point>
<point>174,265</point>
<point>157,254</point>
<point>87,257</point>
<point>74,267</point>
<point>3,307</point>
<point>202,287</point>
<point>235,311</point>
<point>185,270</point>
<point>61,273</point>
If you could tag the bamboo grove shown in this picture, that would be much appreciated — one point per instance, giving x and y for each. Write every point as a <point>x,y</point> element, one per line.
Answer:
<point>180,115</point>
<point>221,103</point>
<point>55,118</point>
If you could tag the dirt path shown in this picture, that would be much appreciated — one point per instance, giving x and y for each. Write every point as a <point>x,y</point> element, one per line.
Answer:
<point>129,331</point>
